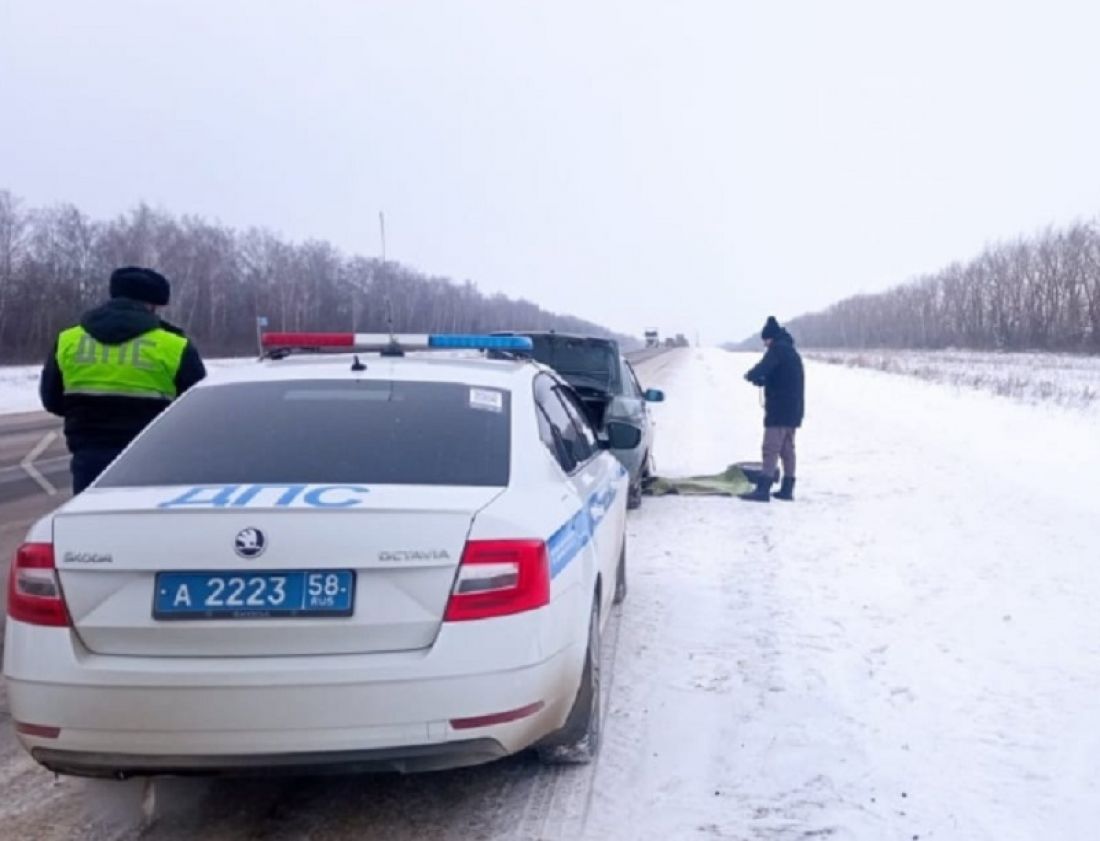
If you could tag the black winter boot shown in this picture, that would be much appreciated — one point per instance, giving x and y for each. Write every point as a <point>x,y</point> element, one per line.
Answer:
<point>786,490</point>
<point>762,493</point>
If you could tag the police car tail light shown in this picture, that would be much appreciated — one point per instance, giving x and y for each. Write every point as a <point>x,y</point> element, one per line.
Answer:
<point>34,592</point>
<point>500,578</point>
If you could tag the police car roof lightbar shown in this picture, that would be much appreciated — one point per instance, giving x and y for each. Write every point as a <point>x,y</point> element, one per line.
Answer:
<point>280,344</point>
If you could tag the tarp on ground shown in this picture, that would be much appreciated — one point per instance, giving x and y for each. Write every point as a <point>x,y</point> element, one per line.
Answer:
<point>730,482</point>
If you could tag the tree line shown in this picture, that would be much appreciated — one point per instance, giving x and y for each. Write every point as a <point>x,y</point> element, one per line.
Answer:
<point>55,262</point>
<point>1035,293</point>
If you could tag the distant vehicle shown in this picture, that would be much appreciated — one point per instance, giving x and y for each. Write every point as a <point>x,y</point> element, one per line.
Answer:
<point>609,387</point>
<point>652,338</point>
<point>398,563</point>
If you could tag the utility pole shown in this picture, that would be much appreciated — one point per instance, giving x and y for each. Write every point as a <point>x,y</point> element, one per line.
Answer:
<point>382,229</point>
<point>261,323</point>
<point>389,300</point>
<point>355,301</point>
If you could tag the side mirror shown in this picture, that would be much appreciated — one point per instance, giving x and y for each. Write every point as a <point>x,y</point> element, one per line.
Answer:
<point>654,395</point>
<point>623,436</point>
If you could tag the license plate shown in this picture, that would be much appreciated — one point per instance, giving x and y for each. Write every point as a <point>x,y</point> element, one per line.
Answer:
<point>254,595</point>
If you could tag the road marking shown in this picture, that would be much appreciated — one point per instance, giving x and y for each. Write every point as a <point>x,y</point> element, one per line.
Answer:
<point>28,462</point>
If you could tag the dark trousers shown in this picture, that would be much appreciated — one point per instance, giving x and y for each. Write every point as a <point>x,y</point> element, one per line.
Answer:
<point>88,464</point>
<point>779,445</point>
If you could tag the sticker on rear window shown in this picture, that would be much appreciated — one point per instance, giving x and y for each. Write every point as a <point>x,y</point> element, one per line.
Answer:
<point>486,400</point>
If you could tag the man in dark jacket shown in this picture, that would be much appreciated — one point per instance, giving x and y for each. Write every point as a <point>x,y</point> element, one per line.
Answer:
<point>116,371</point>
<point>780,373</point>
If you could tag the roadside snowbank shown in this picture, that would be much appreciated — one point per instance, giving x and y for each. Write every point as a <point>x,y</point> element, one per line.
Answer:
<point>19,383</point>
<point>1072,381</point>
<point>19,388</point>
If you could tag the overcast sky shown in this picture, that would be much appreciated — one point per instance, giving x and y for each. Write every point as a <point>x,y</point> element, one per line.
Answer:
<point>691,166</point>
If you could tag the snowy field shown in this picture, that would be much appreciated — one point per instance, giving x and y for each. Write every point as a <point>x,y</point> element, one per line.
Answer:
<point>1066,380</point>
<point>911,650</point>
<point>19,388</point>
<point>19,384</point>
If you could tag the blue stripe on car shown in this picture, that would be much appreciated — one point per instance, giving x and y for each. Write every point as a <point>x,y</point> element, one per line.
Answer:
<point>568,541</point>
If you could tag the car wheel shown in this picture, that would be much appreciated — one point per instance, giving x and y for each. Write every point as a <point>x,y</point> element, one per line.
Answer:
<point>579,740</point>
<point>637,488</point>
<point>620,577</point>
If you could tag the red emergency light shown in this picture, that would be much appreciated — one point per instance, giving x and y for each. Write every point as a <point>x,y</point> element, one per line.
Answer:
<point>282,343</point>
<point>324,340</point>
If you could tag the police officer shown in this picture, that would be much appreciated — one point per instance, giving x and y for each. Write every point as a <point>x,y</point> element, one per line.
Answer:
<point>116,371</point>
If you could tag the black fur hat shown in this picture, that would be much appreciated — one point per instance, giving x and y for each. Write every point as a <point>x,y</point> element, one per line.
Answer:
<point>771,328</point>
<point>140,284</point>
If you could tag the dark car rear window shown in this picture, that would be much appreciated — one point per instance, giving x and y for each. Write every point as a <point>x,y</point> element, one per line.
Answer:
<point>380,432</point>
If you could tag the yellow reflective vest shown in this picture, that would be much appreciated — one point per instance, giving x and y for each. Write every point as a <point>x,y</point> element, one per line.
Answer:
<point>145,366</point>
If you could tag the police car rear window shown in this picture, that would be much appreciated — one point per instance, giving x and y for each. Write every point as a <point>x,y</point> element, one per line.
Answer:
<point>380,432</point>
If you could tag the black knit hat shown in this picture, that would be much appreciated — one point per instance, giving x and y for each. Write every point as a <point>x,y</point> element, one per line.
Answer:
<point>140,284</point>
<point>771,328</point>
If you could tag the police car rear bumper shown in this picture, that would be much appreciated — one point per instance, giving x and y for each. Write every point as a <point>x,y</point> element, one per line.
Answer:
<point>121,716</point>
<point>409,759</point>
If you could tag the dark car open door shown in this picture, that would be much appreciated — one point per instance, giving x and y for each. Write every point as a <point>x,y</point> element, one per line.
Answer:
<point>590,365</point>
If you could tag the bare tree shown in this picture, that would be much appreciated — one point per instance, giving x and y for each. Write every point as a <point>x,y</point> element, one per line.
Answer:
<point>1037,293</point>
<point>54,263</point>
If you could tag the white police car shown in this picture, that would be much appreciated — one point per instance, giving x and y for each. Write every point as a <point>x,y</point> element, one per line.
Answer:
<point>372,561</point>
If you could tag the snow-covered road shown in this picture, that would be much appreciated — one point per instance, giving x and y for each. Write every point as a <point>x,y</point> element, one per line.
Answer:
<point>911,650</point>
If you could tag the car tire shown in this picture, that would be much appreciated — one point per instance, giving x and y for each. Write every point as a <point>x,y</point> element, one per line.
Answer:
<point>620,578</point>
<point>579,740</point>
<point>638,489</point>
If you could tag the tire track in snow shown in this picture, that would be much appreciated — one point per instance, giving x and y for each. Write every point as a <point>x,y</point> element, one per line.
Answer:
<point>652,674</point>
<point>560,800</point>
<point>561,811</point>
<point>490,814</point>
<point>693,745</point>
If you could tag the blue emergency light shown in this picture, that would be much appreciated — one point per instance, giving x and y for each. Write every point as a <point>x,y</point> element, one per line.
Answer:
<point>283,343</point>
<point>474,342</point>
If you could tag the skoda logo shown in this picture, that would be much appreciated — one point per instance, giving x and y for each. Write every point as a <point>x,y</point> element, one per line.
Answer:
<point>250,543</point>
